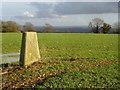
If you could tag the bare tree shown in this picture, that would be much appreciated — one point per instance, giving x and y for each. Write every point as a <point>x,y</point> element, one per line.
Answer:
<point>96,25</point>
<point>29,27</point>
<point>48,28</point>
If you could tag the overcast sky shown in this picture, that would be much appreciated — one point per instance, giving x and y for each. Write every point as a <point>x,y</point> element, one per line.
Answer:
<point>59,13</point>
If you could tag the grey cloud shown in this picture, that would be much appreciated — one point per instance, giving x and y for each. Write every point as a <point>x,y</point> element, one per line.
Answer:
<point>59,9</point>
<point>86,8</point>
<point>45,10</point>
<point>23,17</point>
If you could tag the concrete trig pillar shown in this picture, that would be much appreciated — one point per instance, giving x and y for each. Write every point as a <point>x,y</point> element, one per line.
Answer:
<point>29,49</point>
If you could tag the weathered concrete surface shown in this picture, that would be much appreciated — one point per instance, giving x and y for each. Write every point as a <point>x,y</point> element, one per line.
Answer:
<point>29,49</point>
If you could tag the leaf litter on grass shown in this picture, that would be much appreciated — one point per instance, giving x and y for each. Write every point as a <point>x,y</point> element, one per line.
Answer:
<point>36,73</point>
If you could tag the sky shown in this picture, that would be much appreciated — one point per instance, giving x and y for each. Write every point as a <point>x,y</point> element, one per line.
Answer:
<point>59,13</point>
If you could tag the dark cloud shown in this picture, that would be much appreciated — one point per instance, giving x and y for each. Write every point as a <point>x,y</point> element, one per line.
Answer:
<point>86,8</point>
<point>53,10</point>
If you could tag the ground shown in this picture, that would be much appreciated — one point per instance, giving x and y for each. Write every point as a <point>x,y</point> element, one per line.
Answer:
<point>69,60</point>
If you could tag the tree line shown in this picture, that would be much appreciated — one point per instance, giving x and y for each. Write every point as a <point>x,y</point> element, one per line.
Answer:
<point>9,26</point>
<point>12,26</point>
<point>97,25</point>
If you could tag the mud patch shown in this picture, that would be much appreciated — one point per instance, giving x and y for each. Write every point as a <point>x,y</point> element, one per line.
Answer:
<point>79,59</point>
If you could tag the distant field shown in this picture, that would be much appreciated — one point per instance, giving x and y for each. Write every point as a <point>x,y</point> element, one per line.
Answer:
<point>79,60</point>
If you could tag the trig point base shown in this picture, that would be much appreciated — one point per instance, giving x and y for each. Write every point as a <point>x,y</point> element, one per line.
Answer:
<point>29,49</point>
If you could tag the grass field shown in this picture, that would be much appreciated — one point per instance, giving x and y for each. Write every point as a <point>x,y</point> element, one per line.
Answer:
<point>71,60</point>
<point>71,45</point>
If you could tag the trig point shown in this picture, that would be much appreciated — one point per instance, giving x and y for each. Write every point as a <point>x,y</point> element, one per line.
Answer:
<point>29,49</point>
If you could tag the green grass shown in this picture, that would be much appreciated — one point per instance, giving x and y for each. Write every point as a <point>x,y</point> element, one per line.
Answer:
<point>65,46</point>
<point>77,45</point>
<point>96,77</point>
<point>57,48</point>
<point>75,75</point>
<point>11,42</point>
